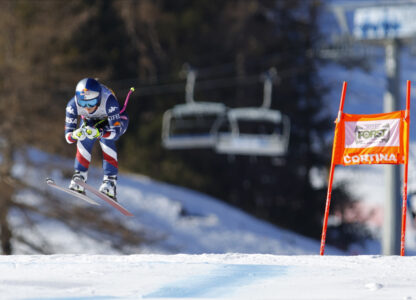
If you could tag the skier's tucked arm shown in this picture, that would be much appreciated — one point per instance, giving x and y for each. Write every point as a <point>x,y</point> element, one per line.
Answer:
<point>71,121</point>
<point>113,131</point>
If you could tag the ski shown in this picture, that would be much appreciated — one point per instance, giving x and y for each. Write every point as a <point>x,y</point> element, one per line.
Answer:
<point>52,183</point>
<point>104,197</point>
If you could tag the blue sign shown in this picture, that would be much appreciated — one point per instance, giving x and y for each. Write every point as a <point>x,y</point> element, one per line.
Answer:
<point>385,22</point>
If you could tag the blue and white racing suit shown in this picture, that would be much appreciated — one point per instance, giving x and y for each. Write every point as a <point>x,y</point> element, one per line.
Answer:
<point>108,119</point>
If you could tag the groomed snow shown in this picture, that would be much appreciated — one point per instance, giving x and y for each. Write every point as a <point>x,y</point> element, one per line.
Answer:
<point>207,276</point>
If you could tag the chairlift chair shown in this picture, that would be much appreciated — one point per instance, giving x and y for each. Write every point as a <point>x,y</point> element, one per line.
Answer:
<point>270,136</point>
<point>256,130</point>
<point>192,124</point>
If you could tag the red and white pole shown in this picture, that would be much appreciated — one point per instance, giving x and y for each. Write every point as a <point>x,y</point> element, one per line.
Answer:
<point>405,176</point>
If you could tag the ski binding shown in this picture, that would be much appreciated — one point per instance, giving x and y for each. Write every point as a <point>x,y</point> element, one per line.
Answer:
<point>104,197</point>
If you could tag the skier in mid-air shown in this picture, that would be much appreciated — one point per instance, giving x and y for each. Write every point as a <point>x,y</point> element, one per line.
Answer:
<point>100,120</point>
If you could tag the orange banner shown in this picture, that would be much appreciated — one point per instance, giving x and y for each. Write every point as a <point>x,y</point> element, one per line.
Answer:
<point>371,139</point>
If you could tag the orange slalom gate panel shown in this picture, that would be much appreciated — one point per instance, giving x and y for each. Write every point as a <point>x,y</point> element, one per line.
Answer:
<point>371,139</point>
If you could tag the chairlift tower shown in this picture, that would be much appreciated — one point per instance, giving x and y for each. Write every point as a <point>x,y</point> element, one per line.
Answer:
<point>390,24</point>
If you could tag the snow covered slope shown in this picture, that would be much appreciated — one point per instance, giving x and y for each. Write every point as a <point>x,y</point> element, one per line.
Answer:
<point>207,276</point>
<point>177,220</point>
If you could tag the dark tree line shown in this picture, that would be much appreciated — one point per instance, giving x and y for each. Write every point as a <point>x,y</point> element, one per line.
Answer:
<point>47,46</point>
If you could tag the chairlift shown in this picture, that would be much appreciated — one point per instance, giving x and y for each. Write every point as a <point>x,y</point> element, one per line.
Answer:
<point>193,124</point>
<point>256,130</point>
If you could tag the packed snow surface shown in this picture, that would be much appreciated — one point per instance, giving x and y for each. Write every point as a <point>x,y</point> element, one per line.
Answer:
<point>207,276</point>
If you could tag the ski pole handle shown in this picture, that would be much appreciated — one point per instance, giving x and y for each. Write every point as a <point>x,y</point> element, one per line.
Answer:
<point>127,100</point>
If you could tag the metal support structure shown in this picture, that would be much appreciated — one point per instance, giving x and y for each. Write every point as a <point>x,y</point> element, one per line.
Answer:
<point>190,85</point>
<point>392,204</point>
<point>269,77</point>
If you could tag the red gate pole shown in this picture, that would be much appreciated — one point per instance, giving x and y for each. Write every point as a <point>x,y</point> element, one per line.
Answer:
<point>331,172</point>
<point>405,177</point>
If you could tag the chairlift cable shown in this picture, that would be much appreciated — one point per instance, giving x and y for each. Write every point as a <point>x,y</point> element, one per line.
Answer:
<point>206,84</point>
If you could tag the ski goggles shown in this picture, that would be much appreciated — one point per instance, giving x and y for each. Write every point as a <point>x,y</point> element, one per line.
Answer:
<point>88,103</point>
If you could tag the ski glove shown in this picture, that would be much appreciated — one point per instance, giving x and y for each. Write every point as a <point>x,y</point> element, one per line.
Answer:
<point>92,133</point>
<point>79,134</point>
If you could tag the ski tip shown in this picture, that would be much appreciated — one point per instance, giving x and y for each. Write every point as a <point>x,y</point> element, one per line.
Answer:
<point>132,89</point>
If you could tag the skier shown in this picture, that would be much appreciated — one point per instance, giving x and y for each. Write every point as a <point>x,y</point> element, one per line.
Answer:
<point>100,120</point>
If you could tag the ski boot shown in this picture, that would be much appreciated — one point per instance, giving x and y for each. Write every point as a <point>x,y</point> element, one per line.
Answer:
<point>76,187</point>
<point>108,187</point>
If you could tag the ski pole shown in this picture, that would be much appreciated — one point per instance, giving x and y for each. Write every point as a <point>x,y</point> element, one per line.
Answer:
<point>127,100</point>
